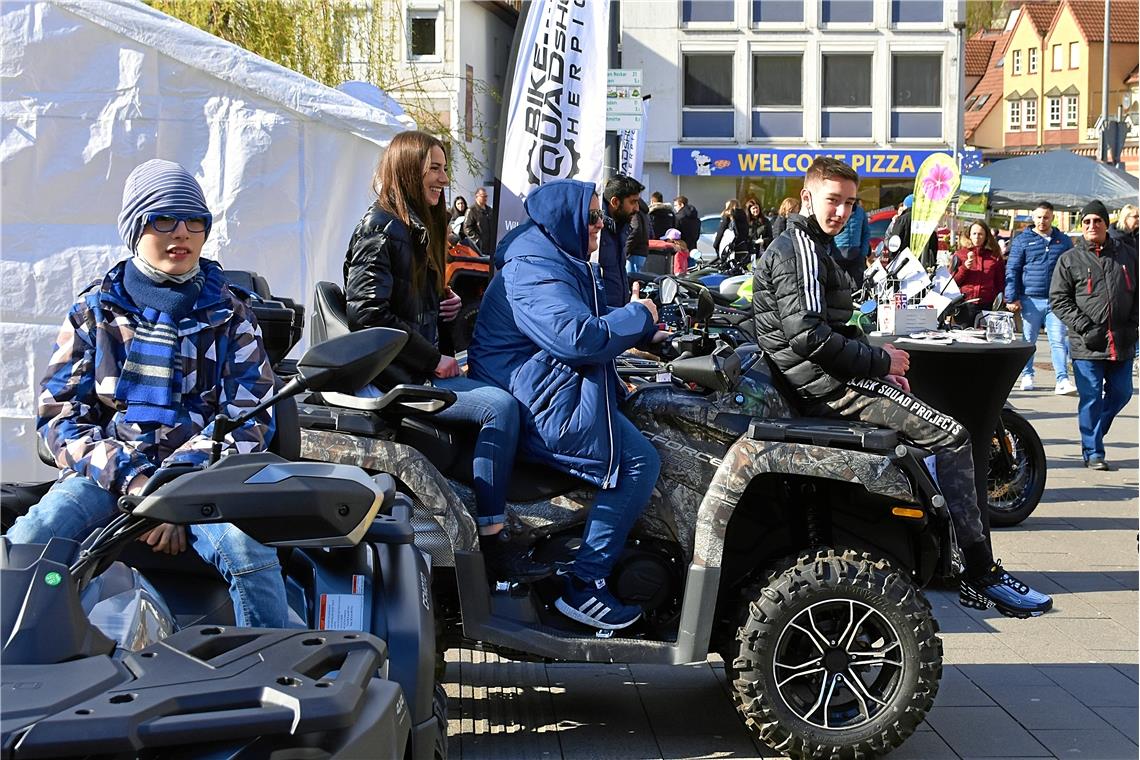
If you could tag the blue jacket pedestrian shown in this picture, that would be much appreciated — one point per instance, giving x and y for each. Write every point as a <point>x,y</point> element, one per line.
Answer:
<point>1032,258</point>
<point>546,334</point>
<point>856,234</point>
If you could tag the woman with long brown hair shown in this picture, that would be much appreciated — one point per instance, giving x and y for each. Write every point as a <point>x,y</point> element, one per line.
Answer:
<point>393,277</point>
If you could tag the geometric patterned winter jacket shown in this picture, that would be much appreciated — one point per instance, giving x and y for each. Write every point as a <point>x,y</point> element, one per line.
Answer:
<point>224,368</point>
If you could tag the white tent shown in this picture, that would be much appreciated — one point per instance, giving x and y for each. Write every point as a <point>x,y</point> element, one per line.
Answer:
<point>92,89</point>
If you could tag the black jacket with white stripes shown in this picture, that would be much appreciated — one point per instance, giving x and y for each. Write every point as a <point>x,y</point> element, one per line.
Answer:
<point>802,303</point>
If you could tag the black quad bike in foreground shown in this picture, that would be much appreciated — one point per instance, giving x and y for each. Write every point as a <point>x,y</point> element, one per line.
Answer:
<point>102,660</point>
<point>795,548</point>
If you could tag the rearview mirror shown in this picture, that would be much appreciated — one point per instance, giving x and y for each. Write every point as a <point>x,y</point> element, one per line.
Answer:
<point>894,244</point>
<point>349,362</point>
<point>669,289</point>
<point>705,305</point>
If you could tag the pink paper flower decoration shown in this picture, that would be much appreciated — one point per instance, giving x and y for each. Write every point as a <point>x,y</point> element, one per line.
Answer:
<point>936,184</point>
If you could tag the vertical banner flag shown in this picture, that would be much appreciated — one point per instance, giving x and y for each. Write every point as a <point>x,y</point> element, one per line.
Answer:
<point>556,112</point>
<point>935,184</point>
<point>631,146</point>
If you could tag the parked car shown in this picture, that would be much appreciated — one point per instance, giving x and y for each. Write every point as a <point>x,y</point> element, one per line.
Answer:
<point>878,222</point>
<point>710,223</point>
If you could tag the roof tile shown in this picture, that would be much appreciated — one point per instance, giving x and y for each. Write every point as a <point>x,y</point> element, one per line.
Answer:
<point>988,90</point>
<point>1122,21</point>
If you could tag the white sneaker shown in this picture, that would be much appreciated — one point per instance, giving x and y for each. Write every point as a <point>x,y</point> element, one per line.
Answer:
<point>1027,383</point>
<point>1065,388</point>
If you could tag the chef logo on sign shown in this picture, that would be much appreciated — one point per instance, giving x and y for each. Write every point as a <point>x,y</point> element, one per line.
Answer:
<point>554,95</point>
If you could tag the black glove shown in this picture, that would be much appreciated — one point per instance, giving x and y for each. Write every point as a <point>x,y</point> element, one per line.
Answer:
<point>1096,339</point>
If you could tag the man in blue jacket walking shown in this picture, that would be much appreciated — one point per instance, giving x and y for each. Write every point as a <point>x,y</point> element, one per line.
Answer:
<point>546,335</point>
<point>854,243</point>
<point>1032,257</point>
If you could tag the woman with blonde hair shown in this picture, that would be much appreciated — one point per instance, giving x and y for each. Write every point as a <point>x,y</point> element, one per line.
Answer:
<point>1127,224</point>
<point>393,277</point>
<point>780,223</point>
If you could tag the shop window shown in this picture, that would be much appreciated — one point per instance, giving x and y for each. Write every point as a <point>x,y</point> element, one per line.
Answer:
<point>1071,112</point>
<point>707,106</point>
<point>1074,55</point>
<point>1054,106</point>
<point>777,11</point>
<point>1014,115</point>
<point>846,96</point>
<point>1033,60</point>
<point>777,95</point>
<point>916,11</point>
<point>1058,57</point>
<point>1017,63</point>
<point>1030,109</point>
<point>916,96</point>
<point>714,11</point>
<point>847,11</point>
<point>424,29</point>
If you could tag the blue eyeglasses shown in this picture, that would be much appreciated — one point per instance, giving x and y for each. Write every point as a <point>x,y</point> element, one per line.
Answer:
<point>169,222</point>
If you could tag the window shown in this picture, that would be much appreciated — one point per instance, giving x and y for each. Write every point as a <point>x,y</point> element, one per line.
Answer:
<point>1016,63</point>
<point>846,95</point>
<point>718,11</point>
<point>423,35</point>
<point>1033,60</point>
<point>916,11</point>
<point>1030,107</point>
<point>847,11</point>
<point>1058,57</point>
<point>1054,105</point>
<point>777,11</point>
<point>1075,55</point>
<point>982,101</point>
<point>707,105</point>
<point>777,95</point>
<point>1071,113</point>
<point>916,96</point>
<point>1014,115</point>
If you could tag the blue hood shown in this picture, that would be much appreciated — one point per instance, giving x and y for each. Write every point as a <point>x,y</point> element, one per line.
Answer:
<point>561,210</point>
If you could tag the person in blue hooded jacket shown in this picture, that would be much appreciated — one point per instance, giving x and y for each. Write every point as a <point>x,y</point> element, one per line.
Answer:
<point>546,335</point>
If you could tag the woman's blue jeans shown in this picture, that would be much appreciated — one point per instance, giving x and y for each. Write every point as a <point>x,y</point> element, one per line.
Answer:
<point>1034,313</point>
<point>616,509</point>
<point>1105,388</point>
<point>496,414</point>
<point>75,507</point>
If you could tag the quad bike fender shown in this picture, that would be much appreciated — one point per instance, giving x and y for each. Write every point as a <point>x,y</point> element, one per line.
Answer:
<point>442,523</point>
<point>748,458</point>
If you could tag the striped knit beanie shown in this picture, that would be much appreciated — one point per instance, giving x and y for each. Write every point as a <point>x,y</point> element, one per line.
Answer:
<point>159,187</point>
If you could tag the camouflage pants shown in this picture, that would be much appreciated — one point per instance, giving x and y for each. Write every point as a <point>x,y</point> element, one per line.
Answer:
<point>880,403</point>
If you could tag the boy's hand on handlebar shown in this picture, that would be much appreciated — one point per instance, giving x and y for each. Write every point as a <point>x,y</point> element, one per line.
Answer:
<point>449,306</point>
<point>647,303</point>
<point>166,538</point>
<point>137,484</point>
<point>447,367</point>
<point>900,360</point>
<point>661,336</point>
<point>899,382</point>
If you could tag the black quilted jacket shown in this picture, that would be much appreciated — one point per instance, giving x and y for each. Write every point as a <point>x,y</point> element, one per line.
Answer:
<point>802,302</point>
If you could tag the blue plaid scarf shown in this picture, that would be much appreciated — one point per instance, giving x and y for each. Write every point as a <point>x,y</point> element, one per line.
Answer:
<point>150,383</point>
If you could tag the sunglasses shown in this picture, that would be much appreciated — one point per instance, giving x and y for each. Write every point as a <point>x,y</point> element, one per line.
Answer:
<point>169,222</point>
<point>596,216</point>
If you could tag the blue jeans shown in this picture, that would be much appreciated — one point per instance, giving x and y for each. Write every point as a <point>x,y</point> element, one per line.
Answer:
<point>616,509</point>
<point>634,263</point>
<point>1035,312</point>
<point>1105,388</point>
<point>496,414</point>
<point>75,507</point>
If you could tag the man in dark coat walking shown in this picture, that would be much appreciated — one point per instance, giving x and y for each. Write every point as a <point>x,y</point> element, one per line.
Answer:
<point>621,197</point>
<point>479,224</point>
<point>688,221</point>
<point>1093,291</point>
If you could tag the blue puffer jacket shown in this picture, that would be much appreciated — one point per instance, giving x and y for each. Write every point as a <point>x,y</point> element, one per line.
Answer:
<point>1031,262</point>
<point>545,334</point>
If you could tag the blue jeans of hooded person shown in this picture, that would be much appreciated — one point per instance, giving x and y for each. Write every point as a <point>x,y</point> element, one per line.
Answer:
<point>1034,313</point>
<point>75,507</point>
<point>634,263</point>
<point>496,414</point>
<point>616,509</point>
<point>1104,388</point>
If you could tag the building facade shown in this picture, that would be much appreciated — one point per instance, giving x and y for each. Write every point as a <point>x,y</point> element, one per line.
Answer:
<point>746,92</point>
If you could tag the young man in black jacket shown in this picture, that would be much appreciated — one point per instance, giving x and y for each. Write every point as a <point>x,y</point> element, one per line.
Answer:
<point>1093,291</point>
<point>802,302</point>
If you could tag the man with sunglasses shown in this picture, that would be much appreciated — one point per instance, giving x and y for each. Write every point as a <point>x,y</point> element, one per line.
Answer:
<point>1093,291</point>
<point>145,360</point>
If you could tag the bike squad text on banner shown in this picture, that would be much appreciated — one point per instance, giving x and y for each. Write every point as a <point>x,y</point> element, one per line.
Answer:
<point>556,118</point>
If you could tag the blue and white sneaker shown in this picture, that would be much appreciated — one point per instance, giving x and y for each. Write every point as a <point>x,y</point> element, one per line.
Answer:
<point>591,603</point>
<point>1007,594</point>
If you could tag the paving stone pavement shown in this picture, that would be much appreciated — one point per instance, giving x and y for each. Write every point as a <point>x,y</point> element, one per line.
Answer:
<point>1063,685</point>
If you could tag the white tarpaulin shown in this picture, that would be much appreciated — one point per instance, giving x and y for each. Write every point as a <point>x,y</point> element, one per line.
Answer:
<point>556,122</point>
<point>91,90</point>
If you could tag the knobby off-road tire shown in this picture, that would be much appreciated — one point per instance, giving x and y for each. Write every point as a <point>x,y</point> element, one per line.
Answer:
<point>439,712</point>
<point>818,626</point>
<point>1013,494</point>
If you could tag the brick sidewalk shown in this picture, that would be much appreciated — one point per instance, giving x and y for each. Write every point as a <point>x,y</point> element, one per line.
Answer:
<point>1063,685</point>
